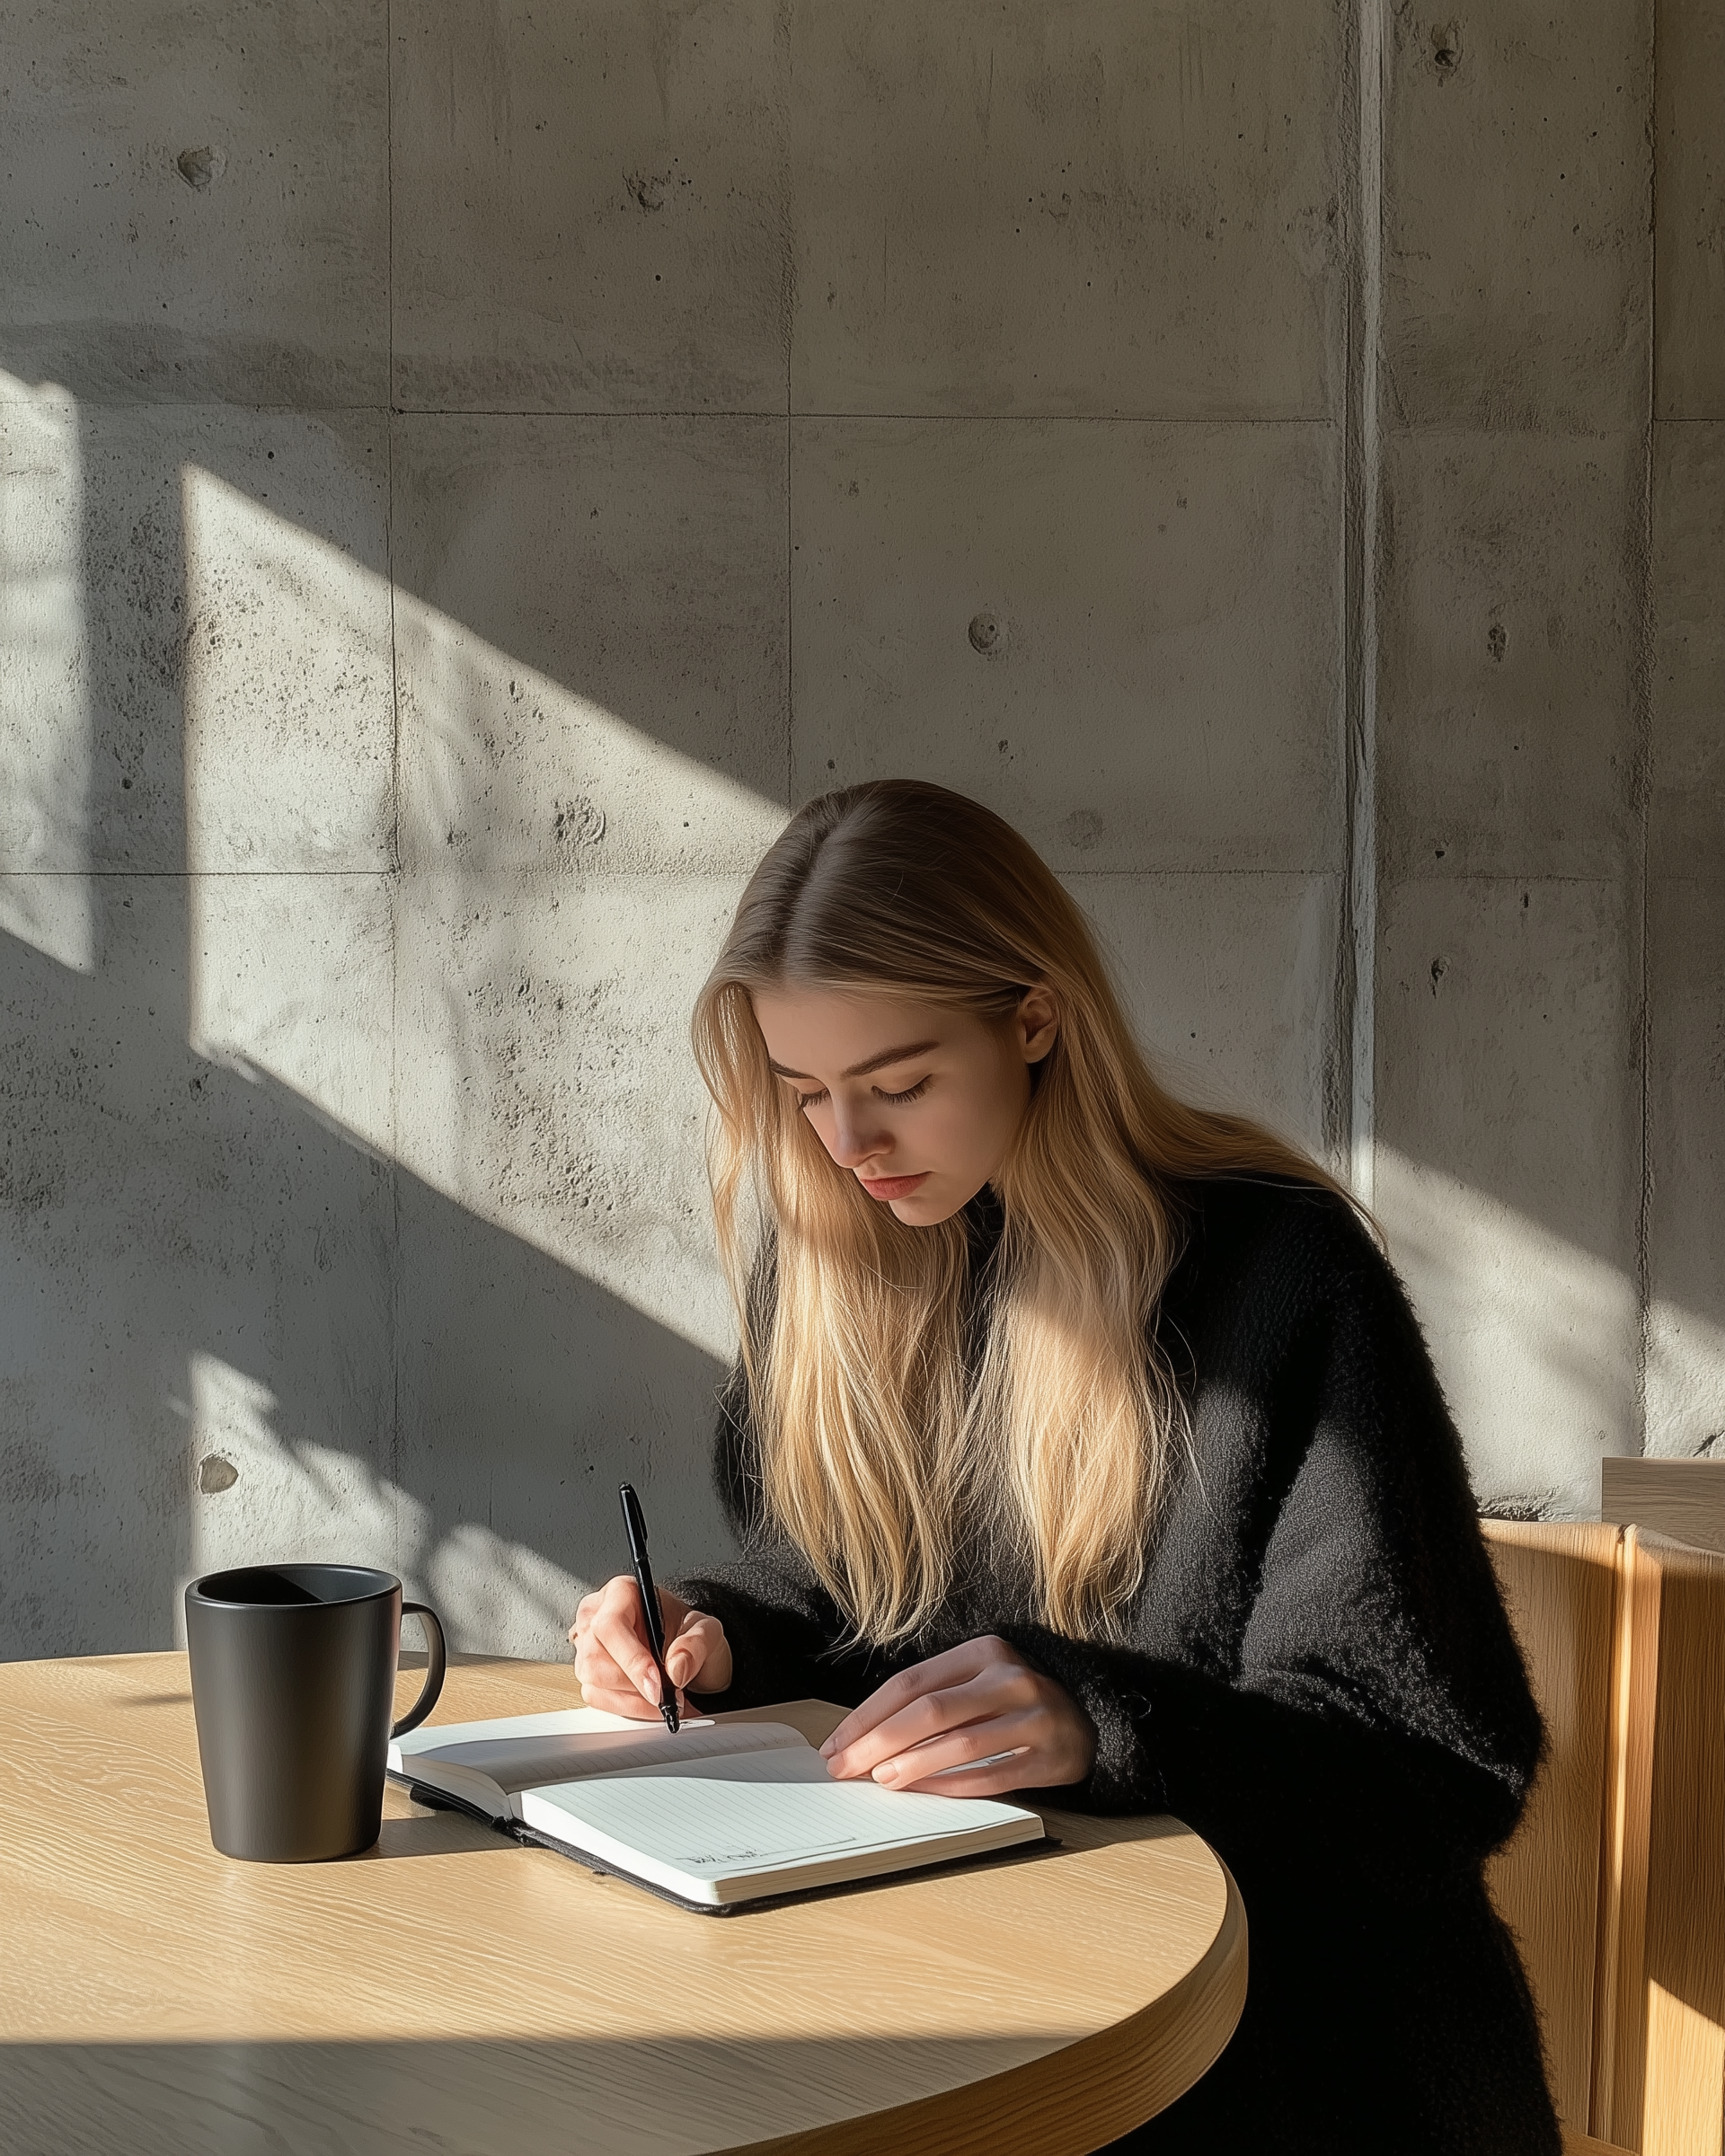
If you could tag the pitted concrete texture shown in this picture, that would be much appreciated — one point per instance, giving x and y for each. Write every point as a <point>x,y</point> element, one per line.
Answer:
<point>1689,238</point>
<point>569,1330</point>
<point>1687,764</point>
<point>1230,983</point>
<point>1519,993</point>
<point>1507,1170</point>
<point>593,632</point>
<point>1510,620</point>
<point>1685,947</point>
<point>1091,209</point>
<point>1516,190</point>
<point>1121,635</point>
<point>468,470</point>
<point>590,206</point>
<point>215,660</point>
<point>197,200</point>
<point>199,1263</point>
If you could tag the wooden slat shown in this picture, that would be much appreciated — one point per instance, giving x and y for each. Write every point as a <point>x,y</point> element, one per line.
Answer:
<point>1661,2074</point>
<point>1558,1583</point>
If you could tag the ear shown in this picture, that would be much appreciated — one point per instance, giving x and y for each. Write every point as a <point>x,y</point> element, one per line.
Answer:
<point>1037,1022</point>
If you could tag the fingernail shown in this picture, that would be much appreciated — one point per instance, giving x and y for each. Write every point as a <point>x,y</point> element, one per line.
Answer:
<point>827,1749</point>
<point>887,1770</point>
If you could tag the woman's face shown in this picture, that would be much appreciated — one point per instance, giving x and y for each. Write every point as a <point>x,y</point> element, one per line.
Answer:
<point>919,1102</point>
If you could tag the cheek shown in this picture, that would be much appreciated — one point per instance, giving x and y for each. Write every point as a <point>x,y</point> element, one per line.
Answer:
<point>963,1130</point>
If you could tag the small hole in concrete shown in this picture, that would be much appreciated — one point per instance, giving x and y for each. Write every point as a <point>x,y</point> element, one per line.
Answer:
<point>1446,46</point>
<point>1496,640</point>
<point>987,632</point>
<point>197,168</point>
<point>215,1473</point>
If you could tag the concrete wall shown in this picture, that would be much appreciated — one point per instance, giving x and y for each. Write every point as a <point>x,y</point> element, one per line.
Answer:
<point>468,470</point>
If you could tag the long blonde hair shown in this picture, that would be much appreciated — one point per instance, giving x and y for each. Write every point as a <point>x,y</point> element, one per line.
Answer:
<point>902,1408</point>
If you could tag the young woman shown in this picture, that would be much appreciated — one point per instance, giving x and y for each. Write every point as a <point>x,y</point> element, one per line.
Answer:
<point>1078,1425</point>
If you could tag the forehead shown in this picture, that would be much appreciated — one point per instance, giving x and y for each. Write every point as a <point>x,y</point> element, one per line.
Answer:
<point>821,1031</point>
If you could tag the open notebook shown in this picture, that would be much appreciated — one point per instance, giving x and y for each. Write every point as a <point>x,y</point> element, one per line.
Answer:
<point>721,1813</point>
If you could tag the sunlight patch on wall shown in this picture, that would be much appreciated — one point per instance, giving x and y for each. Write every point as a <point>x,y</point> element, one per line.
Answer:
<point>504,769</point>
<point>1685,1382</point>
<point>290,704</point>
<point>493,989</point>
<point>291,977</point>
<point>503,1593</point>
<point>256,1500</point>
<point>45,894</point>
<point>1534,1338</point>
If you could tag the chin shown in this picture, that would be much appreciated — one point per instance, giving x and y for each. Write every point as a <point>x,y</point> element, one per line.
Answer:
<point>925,1209</point>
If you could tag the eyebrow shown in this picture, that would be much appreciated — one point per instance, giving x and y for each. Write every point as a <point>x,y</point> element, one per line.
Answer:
<point>869,1062</point>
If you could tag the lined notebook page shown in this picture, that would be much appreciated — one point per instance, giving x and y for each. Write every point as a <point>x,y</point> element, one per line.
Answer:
<point>729,1817</point>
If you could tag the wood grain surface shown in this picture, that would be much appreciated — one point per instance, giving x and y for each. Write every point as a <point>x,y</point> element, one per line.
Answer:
<point>1660,2079</point>
<point>1558,1583</point>
<point>451,1992</point>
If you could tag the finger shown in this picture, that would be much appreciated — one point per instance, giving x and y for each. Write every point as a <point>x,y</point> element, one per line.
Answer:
<point>956,1666</point>
<point>597,1668</point>
<point>693,1648</point>
<point>998,1778</point>
<point>625,1701</point>
<point>993,1692</point>
<point>604,1686</point>
<point>966,1748</point>
<point>584,1609</point>
<point>619,1629</point>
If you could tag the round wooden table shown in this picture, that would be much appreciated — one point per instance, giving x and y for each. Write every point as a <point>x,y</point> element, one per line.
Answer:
<point>452,1991</point>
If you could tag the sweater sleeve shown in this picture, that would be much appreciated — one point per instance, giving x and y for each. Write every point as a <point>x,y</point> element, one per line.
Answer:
<point>1377,1699</point>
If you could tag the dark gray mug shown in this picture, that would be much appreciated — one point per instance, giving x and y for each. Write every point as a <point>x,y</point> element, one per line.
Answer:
<point>293,1681</point>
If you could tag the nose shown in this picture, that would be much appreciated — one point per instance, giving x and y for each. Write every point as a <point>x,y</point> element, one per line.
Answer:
<point>853,1143</point>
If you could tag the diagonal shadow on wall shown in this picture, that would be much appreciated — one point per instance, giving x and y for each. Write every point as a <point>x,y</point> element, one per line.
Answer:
<point>234,1326</point>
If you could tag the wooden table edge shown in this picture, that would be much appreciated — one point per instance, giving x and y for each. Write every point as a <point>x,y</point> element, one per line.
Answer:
<point>1074,2099</point>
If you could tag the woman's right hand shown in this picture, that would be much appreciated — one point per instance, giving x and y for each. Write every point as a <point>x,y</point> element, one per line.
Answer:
<point>614,1662</point>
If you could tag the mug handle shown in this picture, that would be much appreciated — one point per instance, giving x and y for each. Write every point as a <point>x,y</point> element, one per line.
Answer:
<point>436,1662</point>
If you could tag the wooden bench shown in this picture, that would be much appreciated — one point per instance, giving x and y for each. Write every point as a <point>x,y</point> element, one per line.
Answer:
<point>1614,1886</point>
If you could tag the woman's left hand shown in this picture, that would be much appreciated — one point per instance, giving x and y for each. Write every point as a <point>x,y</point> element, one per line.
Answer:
<point>972,1703</point>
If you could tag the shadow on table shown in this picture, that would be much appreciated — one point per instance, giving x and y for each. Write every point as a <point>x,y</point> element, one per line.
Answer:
<point>475,2097</point>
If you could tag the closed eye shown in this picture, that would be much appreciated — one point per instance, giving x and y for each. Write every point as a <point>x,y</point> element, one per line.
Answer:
<point>911,1093</point>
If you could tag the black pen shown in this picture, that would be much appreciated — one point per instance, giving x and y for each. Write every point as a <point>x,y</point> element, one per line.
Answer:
<point>637,1525</point>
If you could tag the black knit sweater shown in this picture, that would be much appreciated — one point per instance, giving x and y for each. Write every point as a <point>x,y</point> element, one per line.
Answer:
<point>1317,1675</point>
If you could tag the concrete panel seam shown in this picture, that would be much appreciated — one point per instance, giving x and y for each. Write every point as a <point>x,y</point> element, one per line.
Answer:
<point>1640,582</point>
<point>1351,1113</point>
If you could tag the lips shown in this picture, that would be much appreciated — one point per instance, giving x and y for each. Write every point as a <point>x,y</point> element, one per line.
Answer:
<point>887,1188</point>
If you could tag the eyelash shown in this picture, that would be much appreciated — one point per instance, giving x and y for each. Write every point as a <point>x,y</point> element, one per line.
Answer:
<point>911,1093</point>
